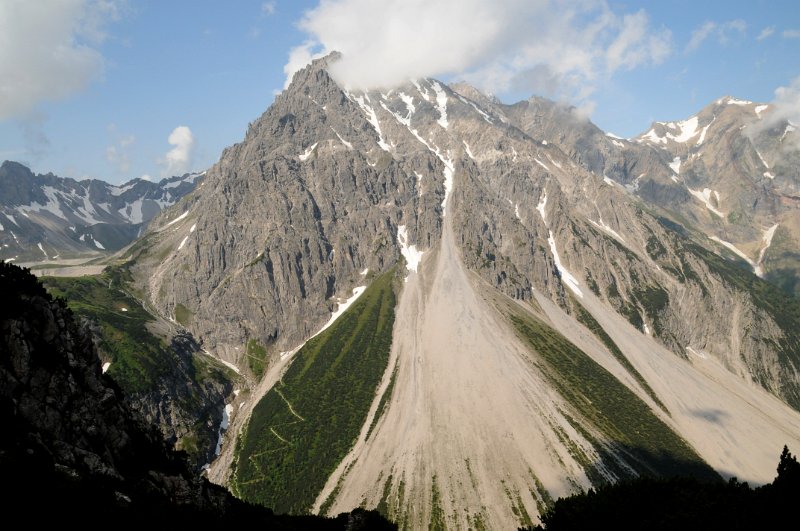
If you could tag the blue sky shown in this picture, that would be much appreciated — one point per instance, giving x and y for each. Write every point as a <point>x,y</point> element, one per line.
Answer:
<point>117,89</point>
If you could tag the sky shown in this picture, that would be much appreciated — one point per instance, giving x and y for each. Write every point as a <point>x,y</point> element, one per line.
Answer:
<point>123,89</point>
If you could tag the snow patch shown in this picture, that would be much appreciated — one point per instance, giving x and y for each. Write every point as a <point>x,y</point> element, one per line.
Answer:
<point>618,143</point>
<point>183,242</point>
<point>105,367</point>
<point>704,131</point>
<point>760,109</point>
<point>687,128</point>
<point>228,364</point>
<point>341,308</point>
<point>365,271</point>
<point>566,277</point>
<point>468,150</point>
<point>372,118</point>
<point>177,219</point>
<point>612,135</point>
<point>541,206</point>
<point>192,177</point>
<point>764,162</point>
<point>734,101</point>
<point>11,219</point>
<point>409,101</point>
<point>676,165</point>
<point>653,137</point>
<point>646,329</point>
<point>769,175</point>
<point>486,117</point>
<point>738,252</point>
<point>789,128</point>
<point>767,241</point>
<point>422,91</point>
<point>540,163</point>
<point>609,181</point>
<point>441,104</point>
<point>117,191</point>
<point>344,142</point>
<point>42,249</point>
<point>51,206</point>
<point>304,156</point>
<point>516,211</point>
<point>99,245</point>
<point>412,255</point>
<point>699,354</point>
<point>705,197</point>
<point>602,225</point>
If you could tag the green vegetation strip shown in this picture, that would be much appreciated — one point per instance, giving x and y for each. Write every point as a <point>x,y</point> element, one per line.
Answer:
<point>615,410</point>
<point>138,357</point>
<point>586,318</point>
<point>305,425</point>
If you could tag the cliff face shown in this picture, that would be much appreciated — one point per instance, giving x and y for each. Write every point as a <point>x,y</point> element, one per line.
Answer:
<point>72,449</point>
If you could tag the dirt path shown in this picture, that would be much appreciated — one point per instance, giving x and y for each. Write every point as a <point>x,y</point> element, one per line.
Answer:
<point>470,418</point>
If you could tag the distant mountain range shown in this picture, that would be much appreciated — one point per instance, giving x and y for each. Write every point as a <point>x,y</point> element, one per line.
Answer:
<point>44,217</point>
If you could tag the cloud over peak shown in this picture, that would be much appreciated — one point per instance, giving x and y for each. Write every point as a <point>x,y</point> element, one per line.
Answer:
<point>178,160</point>
<point>497,46</point>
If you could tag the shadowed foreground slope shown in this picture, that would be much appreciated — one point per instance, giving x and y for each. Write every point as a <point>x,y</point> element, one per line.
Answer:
<point>72,449</point>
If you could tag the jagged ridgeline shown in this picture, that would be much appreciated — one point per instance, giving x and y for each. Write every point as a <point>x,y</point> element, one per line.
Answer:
<point>305,425</point>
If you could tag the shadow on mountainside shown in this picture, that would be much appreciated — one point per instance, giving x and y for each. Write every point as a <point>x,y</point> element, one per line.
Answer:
<point>72,451</point>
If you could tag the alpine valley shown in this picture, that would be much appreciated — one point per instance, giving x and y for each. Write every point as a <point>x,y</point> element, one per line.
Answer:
<point>446,308</point>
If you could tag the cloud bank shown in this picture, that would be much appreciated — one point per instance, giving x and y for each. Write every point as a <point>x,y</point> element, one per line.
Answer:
<point>499,46</point>
<point>786,108</point>
<point>48,50</point>
<point>178,160</point>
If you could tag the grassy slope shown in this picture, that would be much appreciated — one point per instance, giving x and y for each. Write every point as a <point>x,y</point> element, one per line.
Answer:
<point>136,354</point>
<point>140,361</point>
<point>624,420</point>
<point>304,426</point>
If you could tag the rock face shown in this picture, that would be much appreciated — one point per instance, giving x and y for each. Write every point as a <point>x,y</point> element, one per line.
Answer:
<point>502,207</point>
<point>46,217</point>
<point>71,447</point>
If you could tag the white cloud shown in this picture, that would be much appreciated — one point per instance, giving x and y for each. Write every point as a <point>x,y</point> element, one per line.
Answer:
<point>178,160</point>
<point>498,46</point>
<point>48,50</point>
<point>786,107</point>
<point>268,8</point>
<point>146,177</point>
<point>766,32</point>
<point>722,32</point>
<point>117,154</point>
<point>300,56</point>
<point>791,34</point>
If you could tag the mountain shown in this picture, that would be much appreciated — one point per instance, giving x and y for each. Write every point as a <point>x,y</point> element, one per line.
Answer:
<point>72,449</point>
<point>44,217</point>
<point>455,311</point>
<point>728,174</point>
